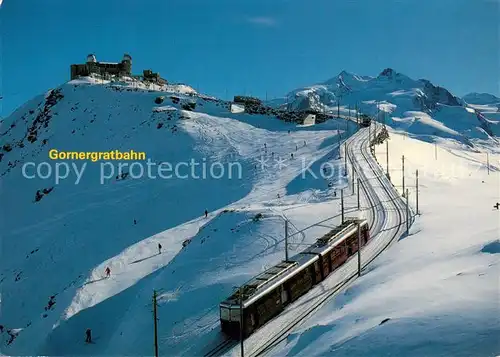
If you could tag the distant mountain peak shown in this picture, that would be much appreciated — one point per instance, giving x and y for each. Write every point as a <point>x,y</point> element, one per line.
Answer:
<point>388,72</point>
<point>344,73</point>
<point>481,98</point>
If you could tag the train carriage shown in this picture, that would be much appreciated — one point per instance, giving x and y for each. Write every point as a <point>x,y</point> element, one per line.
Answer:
<point>267,294</point>
<point>365,121</point>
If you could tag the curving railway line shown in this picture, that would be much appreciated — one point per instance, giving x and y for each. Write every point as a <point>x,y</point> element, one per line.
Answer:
<point>386,217</point>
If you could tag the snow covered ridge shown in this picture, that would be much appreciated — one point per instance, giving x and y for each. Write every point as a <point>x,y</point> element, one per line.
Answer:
<point>400,102</point>
<point>481,99</point>
<point>135,84</point>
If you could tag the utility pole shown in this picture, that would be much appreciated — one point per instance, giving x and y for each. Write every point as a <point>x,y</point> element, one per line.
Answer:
<point>359,181</point>
<point>342,203</point>
<point>407,213</point>
<point>338,107</point>
<point>155,323</point>
<point>403,160</point>
<point>359,249</point>
<point>345,158</point>
<point>417,188</point>
<point>241,323</point>
<point>286,240</point>
<point>369,136</point>
<point>387,157</point>
<point>353,175</point>
<point>488,162</point>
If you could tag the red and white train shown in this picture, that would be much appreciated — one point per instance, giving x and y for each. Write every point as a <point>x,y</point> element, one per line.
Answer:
<point>268,293</point>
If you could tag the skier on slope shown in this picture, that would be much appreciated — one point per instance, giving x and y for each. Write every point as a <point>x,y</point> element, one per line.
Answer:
<point>108,272</point>
<point>88,336</point>
<point>159,248</point>
<point>206,213</point>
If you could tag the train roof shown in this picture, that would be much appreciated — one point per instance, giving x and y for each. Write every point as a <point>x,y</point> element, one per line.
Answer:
<point>276,275</point>
<point>333,238</point>
<point>270,279</point>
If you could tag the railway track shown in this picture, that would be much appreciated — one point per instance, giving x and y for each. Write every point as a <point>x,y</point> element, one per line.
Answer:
<point>221,348</point>
<point>372,198</point>
<point>378,222</point>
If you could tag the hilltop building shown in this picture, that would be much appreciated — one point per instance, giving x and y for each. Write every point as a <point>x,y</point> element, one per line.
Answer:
<point>123,68</point>
<point>107,69</point>
<point>149,75</point>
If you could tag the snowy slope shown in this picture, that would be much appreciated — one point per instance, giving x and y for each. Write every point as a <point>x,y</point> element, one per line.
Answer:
<point>416,106</point>
<point>434,293</point>
<point>485,106</point>
<point>60,246</point>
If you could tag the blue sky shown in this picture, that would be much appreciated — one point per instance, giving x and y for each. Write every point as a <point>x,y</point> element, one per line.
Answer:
<point>227,47</point>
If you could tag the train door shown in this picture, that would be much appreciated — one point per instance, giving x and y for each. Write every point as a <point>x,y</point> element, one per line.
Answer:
<point>317,271</point>
<point>325,259</point>
<point>366,235</point>
<point>349,249</point>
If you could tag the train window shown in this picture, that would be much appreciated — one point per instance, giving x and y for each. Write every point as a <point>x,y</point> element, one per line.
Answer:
<point>224,314</point>
<point>284,295</point>
<point>235,314</point>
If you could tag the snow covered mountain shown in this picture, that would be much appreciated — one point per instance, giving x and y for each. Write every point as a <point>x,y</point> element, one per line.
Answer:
<point>58,237</point>
<point>481,99</point>
<point>415,106</point>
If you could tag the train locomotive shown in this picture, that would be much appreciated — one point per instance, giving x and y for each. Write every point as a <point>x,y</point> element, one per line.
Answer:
<point>267,294</point>
<point>365,121</point>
